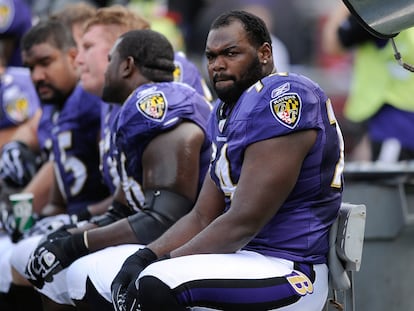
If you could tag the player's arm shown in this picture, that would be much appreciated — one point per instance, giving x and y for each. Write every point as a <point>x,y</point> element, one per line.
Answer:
<point>41,185</point>
<point>56,203</point>
<point>7,134</point>
<point>269,173</point>
<point>210,205</point>
<point>27,133</point>
<point>170,182</point>
<point>263,186</point>
<point>101,207</point>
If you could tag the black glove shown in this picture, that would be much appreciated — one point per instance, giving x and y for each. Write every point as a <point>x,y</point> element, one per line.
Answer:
<point>83,215</point>
<point>115,212</point>
<point>18,164</point>
<point>123,290</point>
<point>53,255</point>
<point>61,232</point>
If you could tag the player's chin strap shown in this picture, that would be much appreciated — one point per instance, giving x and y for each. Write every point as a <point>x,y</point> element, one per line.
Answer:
<point>398,57</point>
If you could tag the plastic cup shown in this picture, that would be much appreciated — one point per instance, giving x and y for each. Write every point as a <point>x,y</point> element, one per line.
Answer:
<point>22,210</point>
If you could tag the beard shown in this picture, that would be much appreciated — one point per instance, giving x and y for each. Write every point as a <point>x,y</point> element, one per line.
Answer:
<point>55,96</point>
<point>250,76</point>
<point>111,94</point>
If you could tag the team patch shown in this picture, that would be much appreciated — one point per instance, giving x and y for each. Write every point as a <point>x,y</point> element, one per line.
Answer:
<point>287,109</point>
<point>15,105</point>
<point>6,14</point>
<point>153,106</point>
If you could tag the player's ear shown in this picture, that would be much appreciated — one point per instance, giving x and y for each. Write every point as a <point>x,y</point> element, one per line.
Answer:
<point>265,53</point>
<point>128,66</point>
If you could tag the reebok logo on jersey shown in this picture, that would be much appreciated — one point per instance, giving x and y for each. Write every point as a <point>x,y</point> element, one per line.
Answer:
<point>287,109</point>
<point>280,90</point>
<point>153,106</point>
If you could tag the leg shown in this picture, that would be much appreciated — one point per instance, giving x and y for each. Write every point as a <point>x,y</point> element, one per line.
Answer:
<point>93,300</point>
<point>50,305</point>
<point>5,302</point>
<point>90,277</point>
<point>14,296</point>
<point>19,288</point>
<point>160,299</point>
<point>55,291</point>
<point>240,281</point>
<point>25,298</point>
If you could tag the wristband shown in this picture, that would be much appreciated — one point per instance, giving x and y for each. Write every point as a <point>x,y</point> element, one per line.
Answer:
<point>85,239</point>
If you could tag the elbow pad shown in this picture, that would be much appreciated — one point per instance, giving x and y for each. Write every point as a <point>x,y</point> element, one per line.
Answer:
<point>162,208</point>
<point>116,212</point>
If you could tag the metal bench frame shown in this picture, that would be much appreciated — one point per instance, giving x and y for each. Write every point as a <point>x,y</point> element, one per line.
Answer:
<point>346,240</point>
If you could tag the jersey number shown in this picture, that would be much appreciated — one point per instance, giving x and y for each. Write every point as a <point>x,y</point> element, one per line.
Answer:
<point>71,164</point>
<point>339,169</point>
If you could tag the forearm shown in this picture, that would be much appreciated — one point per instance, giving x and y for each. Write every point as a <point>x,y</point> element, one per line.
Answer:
<point>162,208</point>
<point>182,232</point>
<point>216,238</point>
<point>209,206</point>
<point>40,186</point>
<point>27,133</point>
<point>52,210</point>
<point>117,233</point>
<point>6,135</point>
<point>100,207</point>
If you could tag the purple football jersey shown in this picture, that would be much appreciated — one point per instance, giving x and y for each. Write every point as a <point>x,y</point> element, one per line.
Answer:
<point>275,106</point>
<point>150,110</point>
<point>18,97</point>
<point>188,73</point>
<point>70,134</point>
<point>108,162</point>
<point>185,72</point>
<point>16,19</point>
